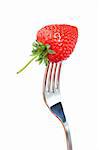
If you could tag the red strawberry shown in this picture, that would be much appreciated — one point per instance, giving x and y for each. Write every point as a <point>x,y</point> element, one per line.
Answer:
<point>61,38</point>
<point>54,43</point>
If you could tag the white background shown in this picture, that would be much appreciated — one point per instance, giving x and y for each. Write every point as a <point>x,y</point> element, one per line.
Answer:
<point>25,122</point>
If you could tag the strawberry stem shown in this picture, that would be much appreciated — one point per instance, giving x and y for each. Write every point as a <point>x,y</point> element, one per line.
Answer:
<point>25,65</point>
<point>39,53</point>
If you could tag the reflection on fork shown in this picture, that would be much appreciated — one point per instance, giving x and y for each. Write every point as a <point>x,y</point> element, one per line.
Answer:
<point>52,97</point>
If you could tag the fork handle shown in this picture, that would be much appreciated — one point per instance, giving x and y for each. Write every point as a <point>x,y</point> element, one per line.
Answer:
<point>58,111</point>
<point>68,136</point>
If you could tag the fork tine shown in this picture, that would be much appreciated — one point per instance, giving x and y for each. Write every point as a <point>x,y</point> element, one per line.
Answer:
<point>50,76</point>
<point>54,74</point>
<point>58,75</point>
<point>45,78</point>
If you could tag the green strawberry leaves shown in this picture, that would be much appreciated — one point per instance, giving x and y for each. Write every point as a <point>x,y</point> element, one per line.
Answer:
<point>39,53</point>
<point>51,51</point>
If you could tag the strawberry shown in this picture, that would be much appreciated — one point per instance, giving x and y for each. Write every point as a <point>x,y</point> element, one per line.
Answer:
<point>54,43</point>
<point>61,38</point>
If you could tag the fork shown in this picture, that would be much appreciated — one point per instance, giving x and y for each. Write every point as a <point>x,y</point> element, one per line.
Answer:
<point>52,97</point>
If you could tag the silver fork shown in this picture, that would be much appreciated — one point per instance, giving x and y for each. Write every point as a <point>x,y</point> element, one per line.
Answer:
<point>52,97</point>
